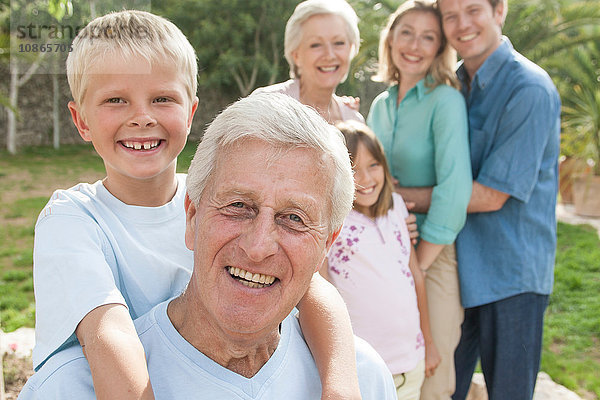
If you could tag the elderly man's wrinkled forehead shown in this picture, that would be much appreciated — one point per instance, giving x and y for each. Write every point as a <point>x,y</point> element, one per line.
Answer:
<point>273,152</point>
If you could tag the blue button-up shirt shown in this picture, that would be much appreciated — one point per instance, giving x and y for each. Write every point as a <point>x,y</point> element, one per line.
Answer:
<point>514,128</point>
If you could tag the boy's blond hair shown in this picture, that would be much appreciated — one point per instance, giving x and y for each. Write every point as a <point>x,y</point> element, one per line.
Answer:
<point>130,33</point>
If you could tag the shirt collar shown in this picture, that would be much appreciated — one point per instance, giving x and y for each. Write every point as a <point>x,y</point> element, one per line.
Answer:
<point>490,66</point>
<point>419,88</point>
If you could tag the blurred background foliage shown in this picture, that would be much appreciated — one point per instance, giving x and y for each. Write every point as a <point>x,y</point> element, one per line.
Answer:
<point>240,47</point>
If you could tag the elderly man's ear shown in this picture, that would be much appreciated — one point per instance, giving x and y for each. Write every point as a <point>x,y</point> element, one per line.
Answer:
<point>190,223</point>
<point>330,241</point>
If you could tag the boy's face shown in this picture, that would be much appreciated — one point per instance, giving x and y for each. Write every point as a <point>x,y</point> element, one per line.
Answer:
<point>473,28</point>
<point>137,116</point>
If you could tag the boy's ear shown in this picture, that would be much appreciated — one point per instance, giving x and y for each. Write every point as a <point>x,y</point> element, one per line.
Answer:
<point>79,121</point>
<point>190,223</point>
<point>192,112</point>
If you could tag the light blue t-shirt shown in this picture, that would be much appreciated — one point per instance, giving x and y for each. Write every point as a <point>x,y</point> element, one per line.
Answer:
<point>426,144</point>
<point>92,249</point>
<point>179,371</point>
<point>514,127</point>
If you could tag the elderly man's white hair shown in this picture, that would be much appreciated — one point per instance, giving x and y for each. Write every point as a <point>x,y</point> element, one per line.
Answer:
<point>308,8</point>
<point>282,122</point>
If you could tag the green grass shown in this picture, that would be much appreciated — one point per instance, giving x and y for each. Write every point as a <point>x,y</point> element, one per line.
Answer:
<point>572,327</point>
<point>571,352</point>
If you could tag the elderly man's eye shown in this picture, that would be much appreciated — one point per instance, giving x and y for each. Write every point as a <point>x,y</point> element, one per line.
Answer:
<point>237,204</point>
<point>295,218</point>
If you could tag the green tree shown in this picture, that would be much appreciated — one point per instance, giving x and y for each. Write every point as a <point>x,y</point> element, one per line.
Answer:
<point>578,73</point>
<point>543,29</point>
<point>239,42</point>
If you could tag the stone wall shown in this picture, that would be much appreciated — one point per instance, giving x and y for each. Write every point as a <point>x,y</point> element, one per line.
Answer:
<point>34,128</point>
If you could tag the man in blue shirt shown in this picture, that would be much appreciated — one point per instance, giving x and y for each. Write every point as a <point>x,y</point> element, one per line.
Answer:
<point>506,249</point>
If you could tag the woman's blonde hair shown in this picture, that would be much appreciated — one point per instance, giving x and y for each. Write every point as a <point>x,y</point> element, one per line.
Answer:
<point>443,66</point>
<point>355,132</point>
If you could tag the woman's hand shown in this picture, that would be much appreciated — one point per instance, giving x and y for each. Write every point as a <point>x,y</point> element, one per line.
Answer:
<point>352,102</point>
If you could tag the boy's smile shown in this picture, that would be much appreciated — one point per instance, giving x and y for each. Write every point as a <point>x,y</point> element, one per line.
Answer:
<point>138,117</point>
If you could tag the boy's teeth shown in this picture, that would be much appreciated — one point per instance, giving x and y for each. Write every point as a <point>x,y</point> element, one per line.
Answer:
<point>141,145</point>
<point>249,279</point>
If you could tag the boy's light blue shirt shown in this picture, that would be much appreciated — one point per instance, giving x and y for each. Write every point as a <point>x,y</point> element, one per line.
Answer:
<point>514,127</point>
<point>425,139</point>
<point>92,249</point>
<point>179,371</point>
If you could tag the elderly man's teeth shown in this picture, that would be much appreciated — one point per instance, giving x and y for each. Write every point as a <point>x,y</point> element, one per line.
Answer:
<point>249,279</point>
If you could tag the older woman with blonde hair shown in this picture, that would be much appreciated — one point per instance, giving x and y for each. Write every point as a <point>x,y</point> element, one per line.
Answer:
<point>321,38</point>
<point>421,120</point>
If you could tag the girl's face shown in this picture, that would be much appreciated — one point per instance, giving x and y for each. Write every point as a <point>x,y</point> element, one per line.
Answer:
<point>369,177</point>
<point>414,44</point>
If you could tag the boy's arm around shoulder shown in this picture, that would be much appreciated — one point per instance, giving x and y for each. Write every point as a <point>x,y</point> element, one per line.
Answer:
<point>327,330</point>
<point>114,353</point>
<point>75,289</point>
<point>71,274</point>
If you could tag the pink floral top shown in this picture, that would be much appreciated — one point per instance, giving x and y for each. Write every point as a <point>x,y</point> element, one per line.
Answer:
<point>368,264</point>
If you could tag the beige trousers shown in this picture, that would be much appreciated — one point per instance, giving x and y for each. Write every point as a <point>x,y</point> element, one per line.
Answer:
<point>408,384</point>
<point>446,316</point>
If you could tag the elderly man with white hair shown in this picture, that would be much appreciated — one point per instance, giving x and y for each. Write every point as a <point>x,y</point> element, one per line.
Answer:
<point>268,190</point>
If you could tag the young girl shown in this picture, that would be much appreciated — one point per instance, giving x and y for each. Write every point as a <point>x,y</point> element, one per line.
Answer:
<point>373,265</point>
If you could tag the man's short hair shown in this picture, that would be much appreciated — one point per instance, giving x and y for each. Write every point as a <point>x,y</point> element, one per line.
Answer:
<point>130,33</point>
<point>308,8</point>
<point>283,122</point>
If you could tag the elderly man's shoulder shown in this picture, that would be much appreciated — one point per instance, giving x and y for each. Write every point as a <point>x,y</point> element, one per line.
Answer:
<point>66,375</point>
<point>374,377</point>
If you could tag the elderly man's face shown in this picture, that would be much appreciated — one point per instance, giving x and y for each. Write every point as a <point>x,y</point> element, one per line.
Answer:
<point>259,233</point>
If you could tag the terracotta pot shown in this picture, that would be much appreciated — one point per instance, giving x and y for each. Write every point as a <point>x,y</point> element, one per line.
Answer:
<point>586,195</point>
<point>568,169</point>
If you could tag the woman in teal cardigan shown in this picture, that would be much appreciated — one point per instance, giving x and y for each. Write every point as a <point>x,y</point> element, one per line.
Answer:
<point>421,120</point>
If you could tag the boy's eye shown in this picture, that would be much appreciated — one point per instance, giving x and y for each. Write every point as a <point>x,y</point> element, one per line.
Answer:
<point>114,100</point>
<point>162,100</point>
